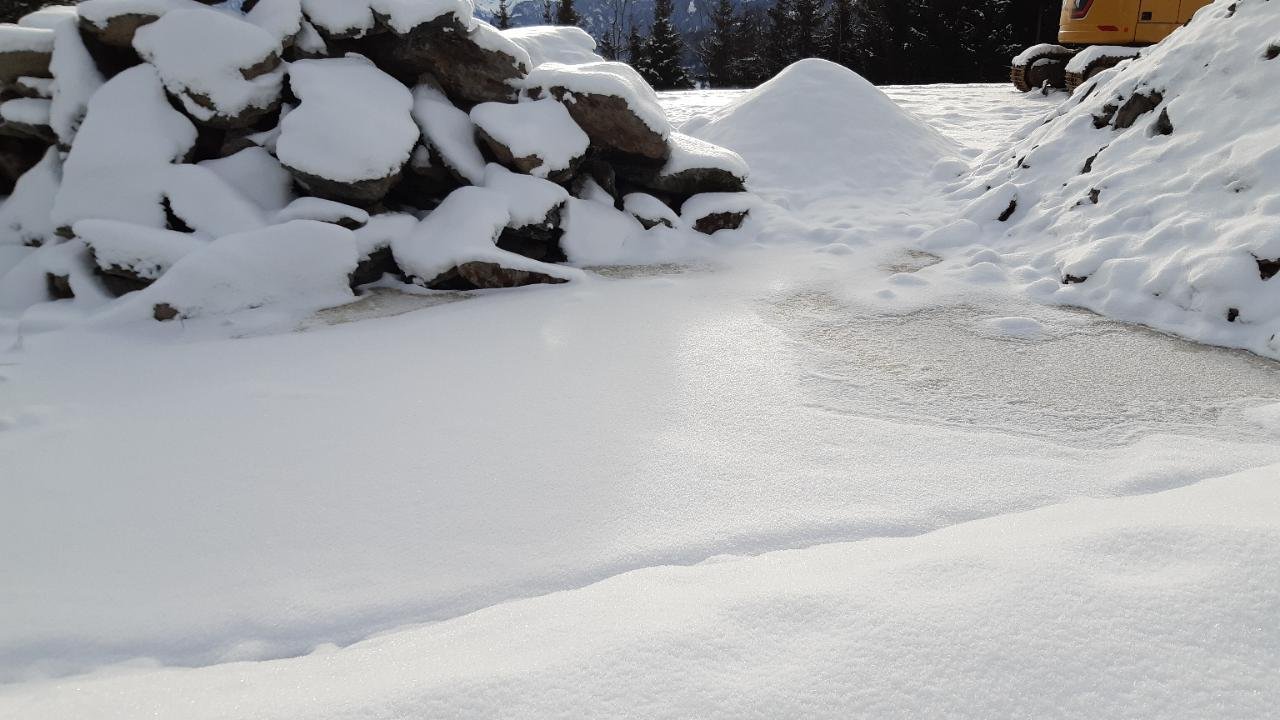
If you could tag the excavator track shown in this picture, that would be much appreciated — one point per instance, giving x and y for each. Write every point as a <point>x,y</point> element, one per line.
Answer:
<point>1047,68</point>
<point>1076,79</point>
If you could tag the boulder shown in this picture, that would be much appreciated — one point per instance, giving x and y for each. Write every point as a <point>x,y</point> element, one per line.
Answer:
<point>537,138</point>
<point>473,65</point>
<point>488,276</point>
<point>694,166</point>
<point>352,132</point>
<point>225,72</point>
<point>613,104</point>
<point>27,118</point>
<point>710,213</point>
<point>24,51</point>
<point>649,210</point>
<point>535,209</point>
<point>447,132</point>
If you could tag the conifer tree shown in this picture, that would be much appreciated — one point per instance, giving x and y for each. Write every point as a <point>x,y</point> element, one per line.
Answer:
<point>779,37</point>
<point>503,17</point>
<point>840,35</point>
<point>719,47</point>
<point>663,65</point>
<point>808,19</point>
<point>566,15</point>
<point>635,47</point>
<point>546,12</point>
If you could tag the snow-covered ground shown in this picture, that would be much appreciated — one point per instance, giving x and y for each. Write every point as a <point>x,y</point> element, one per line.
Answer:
<point>794,478</point>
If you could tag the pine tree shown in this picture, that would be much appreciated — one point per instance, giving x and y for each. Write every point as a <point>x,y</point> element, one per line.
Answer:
<point>503,18</point>
<point>663,65</point>
<point>635,48</point>
<point>720,45</point>
<point>838,40</point>
<point>749,67</point>
<point>546,12</point>
<point>566,15</point>
<point>808,18</point>
<point>779,37</point>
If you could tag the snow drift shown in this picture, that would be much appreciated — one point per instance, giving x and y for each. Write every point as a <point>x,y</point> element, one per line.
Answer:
<point>818,126</point>
<point>1153,194</point>
<point>158,136</point>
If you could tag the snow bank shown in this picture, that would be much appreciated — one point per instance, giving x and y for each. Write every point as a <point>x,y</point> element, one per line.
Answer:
<point>818,127</point>
<point>555,44</point>
<point>1143,601</point>
<point>1153,194</point>
<point>24,217</point>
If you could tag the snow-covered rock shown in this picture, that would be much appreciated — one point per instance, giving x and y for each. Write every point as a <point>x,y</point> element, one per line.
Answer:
<point>24,51</point>
<point>567,45</point>
<point>611,102</point>
<point>535,207</point>
<point>352,131</point>
<point>282,19</point>
<point>257,176</point>
<point>474,65</point>
<point>1153,194</point>
<point>199,199</point>
<point>301,264</point>
<point>340,19</point>
<point>649,210</point>
<point>448,131</point>
<point>373,245</point>
<point>596,233</point>
<point>694,166</point>
<point>455,247</point>
<point>24,217</point>
<point>320,210</point>
<point>226,72</point>
<point>118,165</point>
<point>114,22</point>
<point>539,138</point>
<point>76,78</point>
<point>709,213</point>
<point>131,257</point>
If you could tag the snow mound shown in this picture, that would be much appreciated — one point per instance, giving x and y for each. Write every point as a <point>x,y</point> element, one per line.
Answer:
<point>1153,194</point>
<point>817,125</point>
<point>555,44</point>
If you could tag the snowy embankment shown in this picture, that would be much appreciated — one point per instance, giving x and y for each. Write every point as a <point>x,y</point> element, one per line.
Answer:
<point>1153,194</point>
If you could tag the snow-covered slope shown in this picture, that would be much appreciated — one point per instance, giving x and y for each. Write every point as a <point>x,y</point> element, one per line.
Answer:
<point>1088,609</point>
<point>1153,194</point>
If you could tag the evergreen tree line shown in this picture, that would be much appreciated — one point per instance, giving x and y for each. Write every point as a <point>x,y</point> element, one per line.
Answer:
<point>887,41</point>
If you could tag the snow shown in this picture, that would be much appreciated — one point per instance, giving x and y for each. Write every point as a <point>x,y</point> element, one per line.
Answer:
<point>554,44</point>
<point>690,153</point>
<point>76,79</point>
<point>311,208</point>
<point>24,216</point>
<point>42,87</point>
<point>299,264</point>
<point>100,12</point>
<point>116,169</point>
<point>382,230</point>
<point>1032,52</point>
<point>596,233</point>
<point>28,111</point>
<point>148,252</point>
<point>207,203</point>
<point>49,17</point>
<point>613,79</point>
<point>449,130</point>
<point>539,128</point>
<point>282,19</point>
<point>464,228</point>
<point>1086,57</point>
<point>489,38</point>
<point>648,207</point>
<point>529,199</point>
<point>353,122</point>
<point>203,53</point>
<point>15,38</point>
<point>257,176</point>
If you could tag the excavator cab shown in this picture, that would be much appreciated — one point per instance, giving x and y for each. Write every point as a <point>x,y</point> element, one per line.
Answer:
<point>1094,35</point>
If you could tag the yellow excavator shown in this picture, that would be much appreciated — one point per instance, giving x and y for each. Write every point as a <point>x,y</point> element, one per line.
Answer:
<point>1094,35</point>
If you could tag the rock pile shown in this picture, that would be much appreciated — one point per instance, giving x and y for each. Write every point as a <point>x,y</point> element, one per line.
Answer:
<point>406,136</point>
